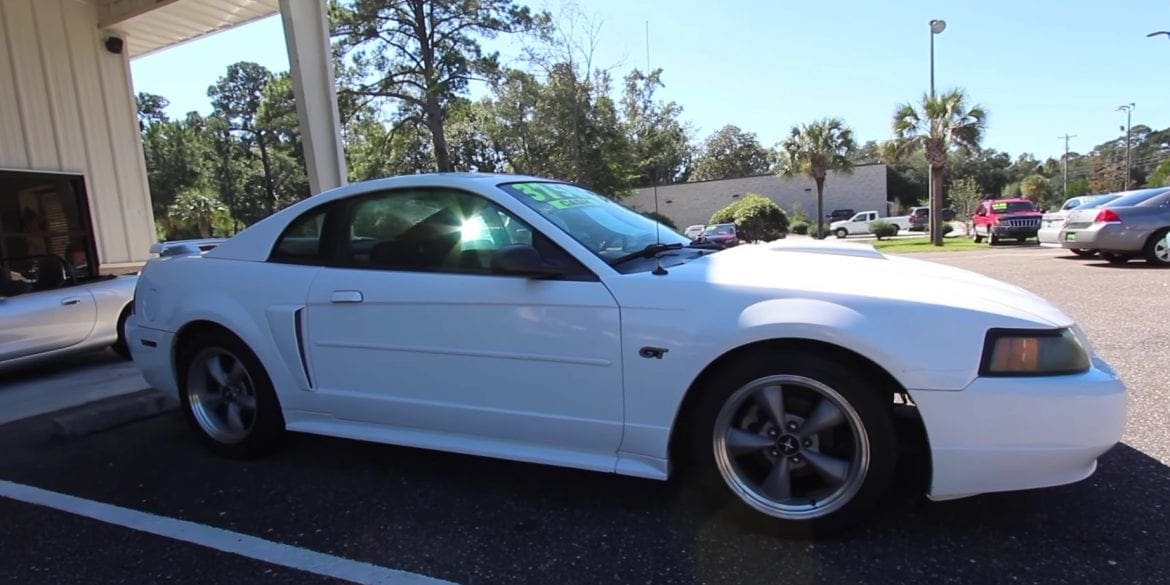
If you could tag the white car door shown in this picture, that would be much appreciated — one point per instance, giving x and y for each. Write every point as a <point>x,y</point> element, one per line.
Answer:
<point>414,331</point>
<point>43,321</point>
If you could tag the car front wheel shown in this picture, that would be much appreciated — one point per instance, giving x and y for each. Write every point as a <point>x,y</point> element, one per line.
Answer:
<point>806,440</point>
<point>227,397</point>
<point>841,232</point>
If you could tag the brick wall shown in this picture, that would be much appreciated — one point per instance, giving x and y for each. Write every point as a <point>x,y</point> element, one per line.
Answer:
<point>693,203</point>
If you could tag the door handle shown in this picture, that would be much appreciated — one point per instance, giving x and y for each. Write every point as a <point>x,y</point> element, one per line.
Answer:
<point>346,296</point>
<point>70,301</point>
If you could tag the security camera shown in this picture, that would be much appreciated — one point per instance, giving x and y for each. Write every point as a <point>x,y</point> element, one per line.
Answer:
<point>115,45</point>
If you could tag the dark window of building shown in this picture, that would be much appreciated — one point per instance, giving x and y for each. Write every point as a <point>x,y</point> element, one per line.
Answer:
<point>47,214</point>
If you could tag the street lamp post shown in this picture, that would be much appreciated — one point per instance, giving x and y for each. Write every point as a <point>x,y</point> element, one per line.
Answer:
<point>1128,109</point>
<point>936,27</point>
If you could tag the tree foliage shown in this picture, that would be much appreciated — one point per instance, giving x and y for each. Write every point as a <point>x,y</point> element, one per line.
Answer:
<point>815,149</point>
<point>422,54</point>
<point>756,218</point>
<point>936,127</point>
<point>730,153</point>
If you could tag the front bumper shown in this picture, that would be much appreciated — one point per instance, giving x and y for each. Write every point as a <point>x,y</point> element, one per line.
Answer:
<point>1006,434</point>
<point>152,352</point>
<point>1014,231</point>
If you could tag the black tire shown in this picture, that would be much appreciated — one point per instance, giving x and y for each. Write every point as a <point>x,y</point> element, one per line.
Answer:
<point>1157,250</point>
<point>992,239</point>
<point>841,233</point>
<point>1084,253</point>
<point>266,430</point>
<point>1021,240</point>
<point>975,235</point>
<point>896,229</point>
<point>121,346</point>
<point>871,405</point>
<point>1113,258</point>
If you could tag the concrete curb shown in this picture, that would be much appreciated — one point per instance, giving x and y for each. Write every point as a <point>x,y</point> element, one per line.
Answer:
<point>107,414</point>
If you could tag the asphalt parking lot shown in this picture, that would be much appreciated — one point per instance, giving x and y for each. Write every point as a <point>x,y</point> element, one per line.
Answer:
<point>473,520</point>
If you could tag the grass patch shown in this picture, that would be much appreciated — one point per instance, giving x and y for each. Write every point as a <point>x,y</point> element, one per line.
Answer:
<point>909,245</point>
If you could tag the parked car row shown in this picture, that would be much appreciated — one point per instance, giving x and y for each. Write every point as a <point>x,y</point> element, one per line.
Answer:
<point>723,235</point>
<point>1129,225</point>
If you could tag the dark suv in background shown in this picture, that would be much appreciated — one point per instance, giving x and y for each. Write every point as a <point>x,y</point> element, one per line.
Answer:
<point>920,217</point>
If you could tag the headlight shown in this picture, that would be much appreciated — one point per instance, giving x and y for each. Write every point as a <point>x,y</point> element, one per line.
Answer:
<point>1029,352</point>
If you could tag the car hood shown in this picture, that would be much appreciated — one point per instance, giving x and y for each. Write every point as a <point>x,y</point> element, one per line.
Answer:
<point>843,272</point>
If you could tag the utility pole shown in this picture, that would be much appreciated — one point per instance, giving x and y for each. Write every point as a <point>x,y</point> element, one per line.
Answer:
<point>937,26</point>
<point>1128,108</point>
<point>1066,137</point>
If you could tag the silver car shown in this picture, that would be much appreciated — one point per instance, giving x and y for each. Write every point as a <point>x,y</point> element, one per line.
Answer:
<point>50,305</point>
<point>49,308</point>
<point>1135,224</point>
<point>1052,222</point>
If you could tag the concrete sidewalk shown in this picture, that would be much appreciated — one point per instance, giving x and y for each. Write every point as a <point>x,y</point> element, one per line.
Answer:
<point>66,383</point>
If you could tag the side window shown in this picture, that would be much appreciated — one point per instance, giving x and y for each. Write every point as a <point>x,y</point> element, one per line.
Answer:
<point>430,230</point>
<point>301,241</point>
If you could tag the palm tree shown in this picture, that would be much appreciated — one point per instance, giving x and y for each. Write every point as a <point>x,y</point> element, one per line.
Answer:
<point>940,124</point>
<point>814,150</point>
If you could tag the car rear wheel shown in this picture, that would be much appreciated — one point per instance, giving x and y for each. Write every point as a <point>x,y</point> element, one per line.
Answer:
<point>227,397</point>
<point>841,232</point>
<point>1158,248</point>
<point>801,438</point>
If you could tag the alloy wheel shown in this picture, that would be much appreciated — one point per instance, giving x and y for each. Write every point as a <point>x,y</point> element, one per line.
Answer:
<point>221,394</point>
<point>791,447</point>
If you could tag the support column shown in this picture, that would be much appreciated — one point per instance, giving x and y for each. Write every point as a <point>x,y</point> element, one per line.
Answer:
<point>306,33</point>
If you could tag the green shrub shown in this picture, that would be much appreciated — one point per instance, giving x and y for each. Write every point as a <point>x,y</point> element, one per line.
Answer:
<point>825,231</point>
<point>798,227</point>
<point>756,218</point>
<point>882,229</point>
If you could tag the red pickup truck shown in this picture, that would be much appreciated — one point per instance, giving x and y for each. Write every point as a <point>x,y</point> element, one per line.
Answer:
<point>997,219</point>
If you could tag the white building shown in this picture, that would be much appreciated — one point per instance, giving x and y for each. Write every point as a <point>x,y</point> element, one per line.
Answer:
<point>72,174</point>
<point>693,203</point>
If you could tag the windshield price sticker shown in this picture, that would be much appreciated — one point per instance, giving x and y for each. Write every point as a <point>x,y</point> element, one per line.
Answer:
<point>999,206</point>
<point>556,195</point>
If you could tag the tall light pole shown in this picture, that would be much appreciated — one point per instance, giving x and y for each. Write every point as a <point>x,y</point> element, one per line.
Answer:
<point>1128,109</point>
<point>936,27</point>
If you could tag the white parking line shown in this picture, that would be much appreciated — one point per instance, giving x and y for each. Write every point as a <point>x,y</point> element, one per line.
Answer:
<point>216,538</point>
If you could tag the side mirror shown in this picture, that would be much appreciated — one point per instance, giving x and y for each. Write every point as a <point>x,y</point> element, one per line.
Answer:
<point>523,260</point>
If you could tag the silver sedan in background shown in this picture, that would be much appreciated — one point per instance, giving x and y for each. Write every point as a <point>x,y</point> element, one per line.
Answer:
<point>1137,224</point>
<point>1053,221</point>
<point>49,308</point>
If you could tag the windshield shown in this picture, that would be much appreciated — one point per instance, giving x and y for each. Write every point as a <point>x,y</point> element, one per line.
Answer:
<point>1135,197</point>
<point>719,230</point>
<point>1012,206</point>
<point>608,229</point>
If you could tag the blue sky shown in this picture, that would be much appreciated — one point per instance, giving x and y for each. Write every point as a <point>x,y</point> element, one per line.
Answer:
<point>1041,69</point>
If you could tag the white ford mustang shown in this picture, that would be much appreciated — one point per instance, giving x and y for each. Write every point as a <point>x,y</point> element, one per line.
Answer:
<point>533,320</point>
